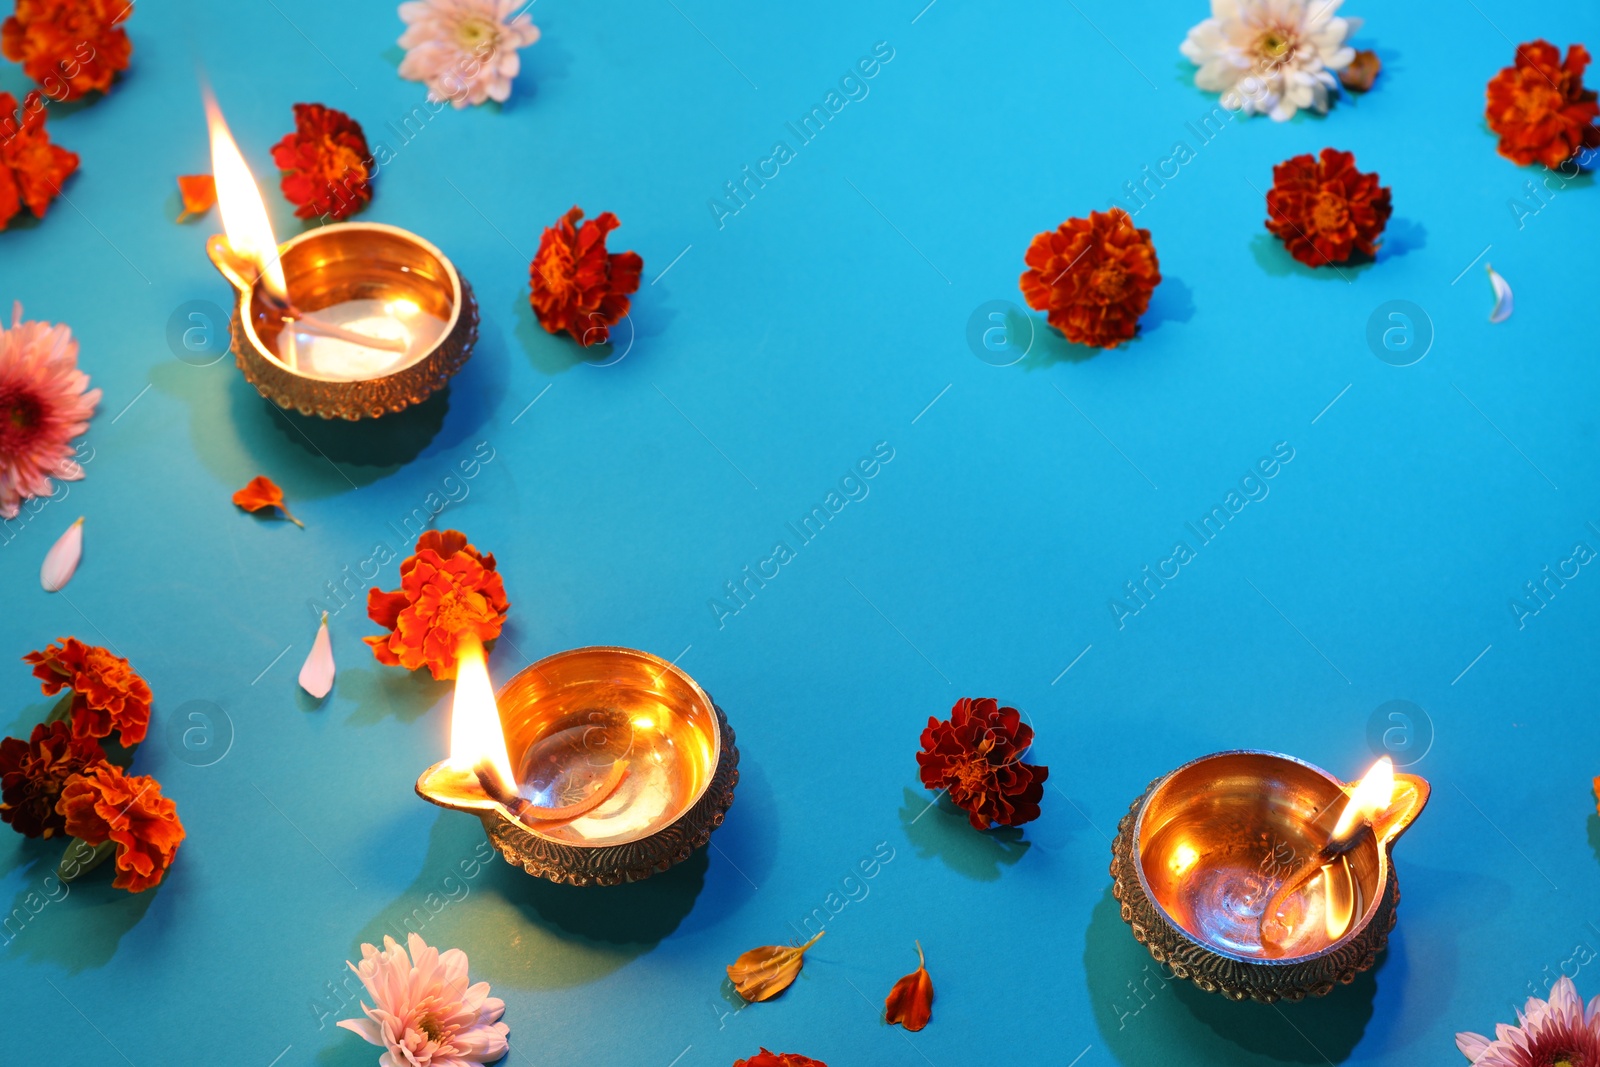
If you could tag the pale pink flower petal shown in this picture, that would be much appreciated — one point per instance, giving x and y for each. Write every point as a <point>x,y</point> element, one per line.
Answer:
<point>1555,1031</point>
<point>465,51</point>
<point>425,1014</point>
<point>45,402</point>
<point>61,562</point>
<point>1470,1044</point>
<point>1504,301</point>
<point>316,674</point>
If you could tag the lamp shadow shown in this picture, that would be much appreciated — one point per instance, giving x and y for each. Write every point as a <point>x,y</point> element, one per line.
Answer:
<point>939,829</point>
<point>1144,1012</point>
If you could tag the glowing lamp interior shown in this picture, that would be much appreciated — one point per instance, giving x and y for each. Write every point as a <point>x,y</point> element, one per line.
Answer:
<point>476,739</point>
<point>244,214</point>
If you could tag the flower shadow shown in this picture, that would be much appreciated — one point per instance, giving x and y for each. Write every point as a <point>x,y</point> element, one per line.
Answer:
<point>1272,257</point>
<point>381,693</point>
<point>1594,834</point>
<point>937,828</point>
<point>1400,237</point>
<point>80,942</point>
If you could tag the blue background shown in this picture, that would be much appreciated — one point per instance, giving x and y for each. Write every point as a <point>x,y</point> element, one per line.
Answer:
<point>823,318</point>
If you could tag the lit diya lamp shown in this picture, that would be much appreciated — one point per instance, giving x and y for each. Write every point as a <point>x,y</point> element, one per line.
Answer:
<point>1257,875</point>
<point>350,320</point>
<point>592,767</point>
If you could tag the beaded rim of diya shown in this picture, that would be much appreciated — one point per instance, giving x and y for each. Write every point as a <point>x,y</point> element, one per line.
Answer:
<point>619,710</point>
<point>1209,816</point>
<point>285,287</point>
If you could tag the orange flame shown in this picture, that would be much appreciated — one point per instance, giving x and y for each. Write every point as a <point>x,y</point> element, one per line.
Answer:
<point>475,735</point>
<point>244,214</point>
<point>1370,798</point>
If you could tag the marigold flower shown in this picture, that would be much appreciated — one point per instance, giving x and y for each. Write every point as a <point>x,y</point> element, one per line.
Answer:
<point>779,1059</point>
<point>107,805</point>
<point>577,285</point>
<point>33,773</point>
<point>1325,210</point>
<point>1093,276</point>
<point>107,693</point>
<point>325,163</point>
<point>31,168</point>
<point>1540,108</point>
<point>447,589</point>
<point>976,756</point>
<point>70,47</point>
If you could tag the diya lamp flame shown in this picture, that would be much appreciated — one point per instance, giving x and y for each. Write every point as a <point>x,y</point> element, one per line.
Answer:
<point>1370,799</point>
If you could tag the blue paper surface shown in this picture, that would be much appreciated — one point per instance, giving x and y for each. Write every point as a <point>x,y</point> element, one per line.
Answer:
<point>830,317</point>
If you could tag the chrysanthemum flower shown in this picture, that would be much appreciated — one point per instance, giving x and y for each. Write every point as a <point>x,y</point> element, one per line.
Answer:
<point>424,1013</point>
<point>976,756</point>
<point>324,163</point>
<point>1540,108</point>
<point>1271,57</point>
<point>33,773</point>
<point>1549,1034</point>
<point>44,404</point>
<point>107,693</point>
<point>464,50</point>
<point>447,589</point>
<point>31,168</point>
<point>1324,210</point>
<point>576,284</point>
<point>1093,276</point>
<point>69,47</point>
<point>107,805</point>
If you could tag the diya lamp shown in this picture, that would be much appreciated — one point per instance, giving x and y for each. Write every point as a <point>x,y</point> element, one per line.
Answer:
<point>351,320</point>
<point>1260,876</point>
<point>594,766</point>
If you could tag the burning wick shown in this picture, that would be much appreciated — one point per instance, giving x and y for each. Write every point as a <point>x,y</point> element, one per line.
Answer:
<point>526,812</point>
<point>1370,798</point>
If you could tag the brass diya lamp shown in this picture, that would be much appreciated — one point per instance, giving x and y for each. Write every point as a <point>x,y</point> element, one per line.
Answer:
<point>351,320</point>
<point>1257,875</point>
<point>594,766</point>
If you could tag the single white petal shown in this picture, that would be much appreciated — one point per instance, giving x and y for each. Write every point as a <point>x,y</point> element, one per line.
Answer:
<point>316,674</point>
<point>1503,302</point>
<point>62,559</point>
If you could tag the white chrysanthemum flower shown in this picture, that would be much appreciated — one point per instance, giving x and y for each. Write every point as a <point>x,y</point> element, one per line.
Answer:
<point>464,50</point>
<point>1271,57</point>
<point>425,1014</point>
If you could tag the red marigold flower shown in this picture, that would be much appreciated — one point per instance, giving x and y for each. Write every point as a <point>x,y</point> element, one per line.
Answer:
<point>107,693</point>
<point>976,756</point>
<point>1540,108</point>
<point>107,805</point>
<point>577,285</point>
<point>779,1059</point>
<point>325,163</point>
<point>33,772</point>
<point>31,168</point>
<point>70,47</point>
<point>1324,210</point>
<point>447,589</point>
<point>1093,276</point>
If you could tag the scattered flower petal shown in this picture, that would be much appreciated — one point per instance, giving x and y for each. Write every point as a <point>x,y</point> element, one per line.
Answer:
<point>763,973</point>
<point>316,674</point>
<point>976,757</point>
<point>108,694</point>
<point>199,192</point>
<point>464,50</point>
<point>61,562</point>
<point>576,284</point>
<point>1362,71</point>
<point>1093,276</point>
<point>1549,1032</point>
<point>424,1013</point>
<point>779,1059</point>
<point>1540,108</point>
<point>261,494</point>
<point>1271,57</point>
<point>448,589</point>
<point>1503,298</point>
<point>32,169</point>
<point>325,163</point>
<point>105,804</point>
<point>33,773</point>
<point>45,402</point>
<point>1325,210</point>
<point>910,1002</point>
<point>70,47</point>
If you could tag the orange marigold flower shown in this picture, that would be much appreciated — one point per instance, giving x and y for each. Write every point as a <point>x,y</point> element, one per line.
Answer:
<point>447,589</point>
<point>1540,108</point>
<point>779,1059</point>
<point>107,693</point>
<point>1325,210</point>
<point>577,285</point>
<point>325,162</point>
<point>70,47</point>
<point>108,805</point>
<point>1093,276</point>
<point>33,773</point>
<point>31,168</point>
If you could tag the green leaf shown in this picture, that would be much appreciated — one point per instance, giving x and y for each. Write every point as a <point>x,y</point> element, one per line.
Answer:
<point>82,857</point>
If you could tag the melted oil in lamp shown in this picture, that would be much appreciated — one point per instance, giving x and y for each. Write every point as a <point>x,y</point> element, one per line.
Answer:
<point>593,767</point>
<point>349,320</point>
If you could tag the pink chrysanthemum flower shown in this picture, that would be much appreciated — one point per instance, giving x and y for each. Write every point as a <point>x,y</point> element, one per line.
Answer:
<point>464,50</point>
<point>424,1013</point>
<point>1551,1033</point>
<point>43,406</point>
